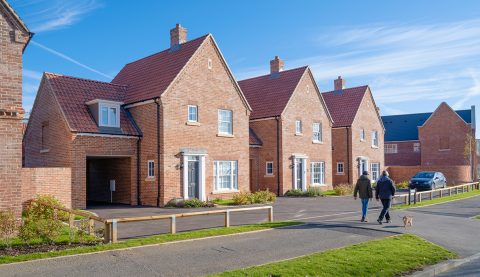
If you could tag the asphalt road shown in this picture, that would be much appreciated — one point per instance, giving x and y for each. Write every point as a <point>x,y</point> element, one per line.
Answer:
<point>446,224</point>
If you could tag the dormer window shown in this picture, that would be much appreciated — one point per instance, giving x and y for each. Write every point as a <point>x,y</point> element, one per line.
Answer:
<point>105,112</point>
<point>109,115</point>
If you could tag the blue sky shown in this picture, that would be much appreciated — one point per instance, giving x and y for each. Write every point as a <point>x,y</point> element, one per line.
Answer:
<point>413,54</point>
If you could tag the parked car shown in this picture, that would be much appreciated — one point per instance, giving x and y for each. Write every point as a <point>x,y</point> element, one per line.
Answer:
<point>428,181</point>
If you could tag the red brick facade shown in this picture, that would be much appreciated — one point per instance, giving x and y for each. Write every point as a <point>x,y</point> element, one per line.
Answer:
<point>47,181</point>
<point>13,39</point>
<point>454,174</point>
<point>408,153</point>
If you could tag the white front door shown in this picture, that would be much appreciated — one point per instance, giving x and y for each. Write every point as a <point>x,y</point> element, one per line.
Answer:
<point>299,173</point>
<point>362,165</point>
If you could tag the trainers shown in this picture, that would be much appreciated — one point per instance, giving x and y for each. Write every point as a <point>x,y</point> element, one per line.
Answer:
<point>379,221</point>
<point>363,220</point>
<point>388,221</point>
<point>366,220</point>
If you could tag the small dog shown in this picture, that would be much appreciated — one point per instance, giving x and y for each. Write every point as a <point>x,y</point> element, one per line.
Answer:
<point>407,221</point>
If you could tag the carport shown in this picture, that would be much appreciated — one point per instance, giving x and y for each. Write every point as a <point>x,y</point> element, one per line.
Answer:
<point>109,180</point>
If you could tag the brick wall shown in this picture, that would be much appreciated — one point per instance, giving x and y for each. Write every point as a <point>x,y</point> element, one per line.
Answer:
<point>405,154</point>
<point>342,153</point>
<point>305,105</point>
<point>454,174</point>
<point>11,112</point>
<point>47,181</point>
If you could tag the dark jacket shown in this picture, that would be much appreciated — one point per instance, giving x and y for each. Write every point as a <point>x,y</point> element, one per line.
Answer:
<point>385,188</point>
<point>363,187</point>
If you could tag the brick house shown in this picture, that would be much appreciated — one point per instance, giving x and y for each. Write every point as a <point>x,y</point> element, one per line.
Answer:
<point>170,125</point>
<point>14,37</point>
<point>357,133</point>
<point>478,159</point>
<point>290,138</point>
<point>431,141</point>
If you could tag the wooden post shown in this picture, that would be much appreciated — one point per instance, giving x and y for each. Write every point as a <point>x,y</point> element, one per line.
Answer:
<point>431,195</point>
<point>420,197</point>
<point>406,197</point>
<point>441,193</point>
<point>71,219</point>
<point>270,214</point>
<point>114,231</point>
<point>91,226</point>
<point>173,224</point>
<point>227,218</point>
<point>449,192</point>
<point>106,232</point>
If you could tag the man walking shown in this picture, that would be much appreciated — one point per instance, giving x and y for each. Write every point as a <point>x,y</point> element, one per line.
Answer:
<point>384,191</point>
<point>364,190</point>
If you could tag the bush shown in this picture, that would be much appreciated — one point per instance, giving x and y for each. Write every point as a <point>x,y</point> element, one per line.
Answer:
<point>311,192</point>
<point>189,203</point>
<point>259,197</point>
<point>41,221</point>
<point>343,189</point>
<point>8,227</point>
<point>402,185</point>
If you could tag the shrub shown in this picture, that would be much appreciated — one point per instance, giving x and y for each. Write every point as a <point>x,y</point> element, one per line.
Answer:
<point>294,193</point>
<point>311,192</point>
<point>8,227</point>
<point>259,197</point>
<point>402,185</point>
<point>41,221</point>
<point>343,189</point>
<point>241,198</point>
<point>189,203</point>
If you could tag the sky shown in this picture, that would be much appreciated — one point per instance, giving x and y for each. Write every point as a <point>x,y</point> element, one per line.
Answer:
<point>412,54</point>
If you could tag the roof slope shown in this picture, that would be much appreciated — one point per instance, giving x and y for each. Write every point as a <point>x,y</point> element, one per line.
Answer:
<point>343,104</point>
<point>149,77</point>
<point>253,138</point>
<point>72,94</point>
<point>268,95</point>
<point>405,126</point>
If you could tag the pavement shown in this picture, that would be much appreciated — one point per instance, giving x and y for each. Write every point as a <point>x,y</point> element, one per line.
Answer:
<point>327,226</point>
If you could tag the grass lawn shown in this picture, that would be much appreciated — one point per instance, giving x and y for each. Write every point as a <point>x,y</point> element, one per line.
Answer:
<point>477,217</point>
<point>63,238</point>
<point>149,240</point>
<point>439,200</point>
<point>330,193</point>
<point>224,202</point>
<point>384,257</point>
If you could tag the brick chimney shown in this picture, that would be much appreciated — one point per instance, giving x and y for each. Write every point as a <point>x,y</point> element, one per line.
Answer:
<point>276,65</point>
<point>339,83</point>
<point>178,35</point>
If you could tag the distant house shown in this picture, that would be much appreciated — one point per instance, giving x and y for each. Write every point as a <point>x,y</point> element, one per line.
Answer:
<point>431,141</point>
<point>357,133</point>
<point>170,125</point>
<point>478,159</point>
<point>290,131</point>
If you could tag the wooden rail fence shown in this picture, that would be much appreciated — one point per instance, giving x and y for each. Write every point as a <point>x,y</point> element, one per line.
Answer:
<point>442,192</point>
<point>111,225</point>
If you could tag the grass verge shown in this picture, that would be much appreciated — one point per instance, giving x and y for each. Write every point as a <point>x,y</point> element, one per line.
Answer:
<point>439,200</point>
<point>384,257</point>
<point>157,239</point>
<point>330,192</point>
<point>224,202</point>
<point>477,217</point>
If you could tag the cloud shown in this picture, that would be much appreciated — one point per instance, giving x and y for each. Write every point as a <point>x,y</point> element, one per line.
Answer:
<point>43,16</point>
<point>67,58</point>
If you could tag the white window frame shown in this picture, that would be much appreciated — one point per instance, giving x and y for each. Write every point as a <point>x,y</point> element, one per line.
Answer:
<point>266,168</point>
<point>374,139</point>
<point>363,136</point>
<point>233,177</point>
<point>343,168</point>
<point>108,106</point>
<point>220,121</point>
<point>321,173</point>
<point>318,132</point>
<point>150,168</point>
<point>375,172</point>
<point>416,147</point>
<point>196,113</point>
<point>298,127</point>
<point>391,148</point>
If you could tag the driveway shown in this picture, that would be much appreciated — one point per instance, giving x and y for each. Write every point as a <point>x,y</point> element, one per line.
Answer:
<point>447,224</point>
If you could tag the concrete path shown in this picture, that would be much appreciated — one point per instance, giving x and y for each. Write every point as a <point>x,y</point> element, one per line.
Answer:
<point>446,224</point>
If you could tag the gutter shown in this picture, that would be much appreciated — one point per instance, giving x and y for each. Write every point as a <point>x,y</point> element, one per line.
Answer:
<point>278,155</point>
<point>157,101</point>
<point>348,155</point>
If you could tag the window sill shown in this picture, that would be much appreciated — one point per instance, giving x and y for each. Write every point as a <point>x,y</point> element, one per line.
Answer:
<point>443,150</point>
<point>374,147</point>
<point>269,176</point>
<point>340,173</point>
<point>317,142</point>
<point>318,185</point>
<point>362,140</point>
<point>225,191</point>
<point>225,135</point>
<point>150,179</point>
<point>299,134</point>
<point>192,123</point>
<point>44,150</point>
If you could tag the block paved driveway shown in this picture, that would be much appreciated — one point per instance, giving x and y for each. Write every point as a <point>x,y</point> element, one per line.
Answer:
<point>447,224</point>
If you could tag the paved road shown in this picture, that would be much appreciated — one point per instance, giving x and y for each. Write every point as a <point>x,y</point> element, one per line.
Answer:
<point>447,224</point>
<point>470,269</point>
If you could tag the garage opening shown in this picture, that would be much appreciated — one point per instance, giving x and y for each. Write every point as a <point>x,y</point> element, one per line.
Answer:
<point>109,180</point>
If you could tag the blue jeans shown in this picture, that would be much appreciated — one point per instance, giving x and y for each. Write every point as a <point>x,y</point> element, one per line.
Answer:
<point>364,207</point>
<point>386,206</point>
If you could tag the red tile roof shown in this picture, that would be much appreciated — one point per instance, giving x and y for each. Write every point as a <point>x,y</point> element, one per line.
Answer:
<point>254,139</point>
<point>269,94</point>
<point>343,104</point>
<point>149,77</point>
<point>72,94</point>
